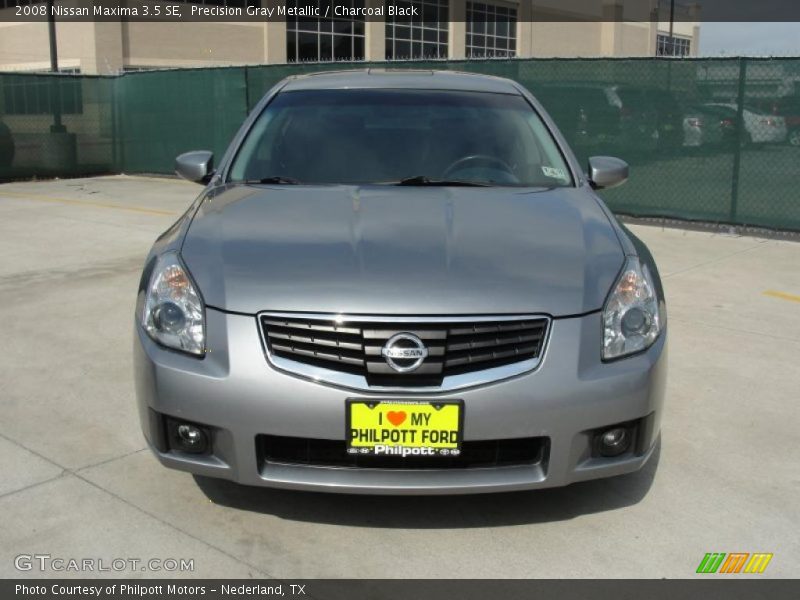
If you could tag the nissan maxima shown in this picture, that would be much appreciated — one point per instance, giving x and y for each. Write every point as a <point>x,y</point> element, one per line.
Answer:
<point>400,282</point>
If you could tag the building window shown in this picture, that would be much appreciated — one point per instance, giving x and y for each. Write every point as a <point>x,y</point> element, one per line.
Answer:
<point>672,46</point>
<point>27,95</point>
<point>423,36</point>
<point>491,31</point>
<point>312,39</point>
<point>139,68</point>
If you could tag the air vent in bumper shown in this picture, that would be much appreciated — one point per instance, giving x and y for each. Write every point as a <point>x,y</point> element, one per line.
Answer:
<point>274,449</point>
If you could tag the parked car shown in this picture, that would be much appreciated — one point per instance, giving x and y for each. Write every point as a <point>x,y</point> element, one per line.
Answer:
<point>701,127</point>
<point>584,113</point>
<point>400,283</point>
<point>650,118</point>
<point>759,126</point>
<point>787,107</point>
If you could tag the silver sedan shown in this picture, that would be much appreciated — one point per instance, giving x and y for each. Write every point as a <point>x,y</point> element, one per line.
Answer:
<point>400,283</point>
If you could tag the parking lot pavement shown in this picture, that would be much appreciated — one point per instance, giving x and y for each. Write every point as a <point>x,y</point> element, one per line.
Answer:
<point>77,482</point>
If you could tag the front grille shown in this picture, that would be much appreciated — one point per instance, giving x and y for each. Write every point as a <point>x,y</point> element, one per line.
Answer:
<point>333,453</point>
<point>354,345</point>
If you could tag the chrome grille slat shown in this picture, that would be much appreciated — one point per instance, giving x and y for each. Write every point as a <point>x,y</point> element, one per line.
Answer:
<point>494,328</point>
<point>313,325</point>
<point>385,333</point>
<point>324,353</point>
<point>478,357</point>
<point>493,341</point>
<point>321,341</point>
<point>336,348</point>
<point>425,369</point>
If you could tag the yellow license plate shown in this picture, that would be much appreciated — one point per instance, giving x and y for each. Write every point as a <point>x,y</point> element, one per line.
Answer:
<point>404,428</point>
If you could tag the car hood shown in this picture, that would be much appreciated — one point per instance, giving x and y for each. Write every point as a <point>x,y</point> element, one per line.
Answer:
<point>402,250</point>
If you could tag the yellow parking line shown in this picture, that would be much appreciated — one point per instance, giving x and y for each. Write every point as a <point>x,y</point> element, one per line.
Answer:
<point>782,296</point>
<point>138,209</point>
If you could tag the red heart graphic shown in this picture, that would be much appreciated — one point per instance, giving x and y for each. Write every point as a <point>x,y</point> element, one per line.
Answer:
<point>396,417</point>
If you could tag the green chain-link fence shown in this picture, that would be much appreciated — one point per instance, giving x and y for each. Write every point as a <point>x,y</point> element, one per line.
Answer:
<point>715,140</point>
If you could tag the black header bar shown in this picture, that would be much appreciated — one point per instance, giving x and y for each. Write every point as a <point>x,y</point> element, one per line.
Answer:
<point>281,10</point>
<point>713,587</point>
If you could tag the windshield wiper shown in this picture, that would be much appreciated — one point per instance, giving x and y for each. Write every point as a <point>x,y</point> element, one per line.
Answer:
<point>425,180</point>
<point>277,179</point>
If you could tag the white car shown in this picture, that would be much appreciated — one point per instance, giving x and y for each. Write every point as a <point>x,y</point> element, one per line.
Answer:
<point>702,127</point>
<point>760,127</point>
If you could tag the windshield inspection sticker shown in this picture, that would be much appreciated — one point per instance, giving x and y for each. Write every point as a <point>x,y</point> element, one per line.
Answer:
<point>553,172</point>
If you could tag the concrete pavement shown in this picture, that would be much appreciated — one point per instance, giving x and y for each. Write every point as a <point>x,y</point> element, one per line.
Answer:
<point>77,482</point>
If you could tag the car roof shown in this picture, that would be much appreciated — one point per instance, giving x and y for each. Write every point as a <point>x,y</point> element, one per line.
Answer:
<point>401,79</point>
<point>572,85</point>
<point>788,101</point>
<point>604,93</point>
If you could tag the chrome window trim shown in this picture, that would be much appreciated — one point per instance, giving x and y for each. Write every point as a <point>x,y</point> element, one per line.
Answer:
<point>357,382</point>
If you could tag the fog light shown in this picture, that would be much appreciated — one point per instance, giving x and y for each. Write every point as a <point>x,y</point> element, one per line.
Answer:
<point>188,437</point>
<point>613,441</point>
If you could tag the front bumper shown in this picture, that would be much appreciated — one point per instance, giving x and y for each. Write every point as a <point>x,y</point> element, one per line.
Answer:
<point>234,391</point>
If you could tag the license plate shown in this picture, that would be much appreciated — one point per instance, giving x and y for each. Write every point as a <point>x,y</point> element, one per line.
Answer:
<point>404,428</point>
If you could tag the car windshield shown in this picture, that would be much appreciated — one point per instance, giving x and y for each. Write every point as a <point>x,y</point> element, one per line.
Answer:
<point>408,137</point>
<point>757,111</point>
<point>719,110</point>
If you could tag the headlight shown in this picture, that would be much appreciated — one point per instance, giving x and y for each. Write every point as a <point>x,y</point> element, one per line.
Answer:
<point>173,312</point>
<point>632,317</point>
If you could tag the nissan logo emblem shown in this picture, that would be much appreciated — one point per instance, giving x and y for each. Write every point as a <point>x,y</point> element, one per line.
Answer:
<point>404,352</point>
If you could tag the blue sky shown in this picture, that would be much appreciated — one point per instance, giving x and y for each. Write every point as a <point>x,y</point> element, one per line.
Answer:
<point>750,39</point>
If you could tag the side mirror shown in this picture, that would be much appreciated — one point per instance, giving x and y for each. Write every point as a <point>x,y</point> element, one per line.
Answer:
<point>197,166</point>
<point>607,172</point>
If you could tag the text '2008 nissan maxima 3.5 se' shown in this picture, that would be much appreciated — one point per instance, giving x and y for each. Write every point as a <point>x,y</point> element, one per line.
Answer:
<point>400,282</point>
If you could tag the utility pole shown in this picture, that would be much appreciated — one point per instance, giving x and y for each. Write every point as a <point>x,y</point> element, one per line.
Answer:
<point>670,43</point>
<point>51,27</point>
<point>57,126</point>
<point>671,26</point>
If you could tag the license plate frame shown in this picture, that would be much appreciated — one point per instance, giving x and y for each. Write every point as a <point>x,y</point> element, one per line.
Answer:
<point>416,445</point>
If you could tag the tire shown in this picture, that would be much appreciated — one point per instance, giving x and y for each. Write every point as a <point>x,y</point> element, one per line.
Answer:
<point>794,137</point>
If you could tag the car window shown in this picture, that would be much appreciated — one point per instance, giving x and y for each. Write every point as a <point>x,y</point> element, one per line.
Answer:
<point>756,111</point>
<point>384,136</point>
<point>725,111</point>
<point>791,105</point>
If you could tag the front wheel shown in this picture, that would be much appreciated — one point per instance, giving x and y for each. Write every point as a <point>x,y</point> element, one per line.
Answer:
<point>794,137</point>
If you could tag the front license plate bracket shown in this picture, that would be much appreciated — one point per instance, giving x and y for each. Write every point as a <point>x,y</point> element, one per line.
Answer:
<point>402,428</point>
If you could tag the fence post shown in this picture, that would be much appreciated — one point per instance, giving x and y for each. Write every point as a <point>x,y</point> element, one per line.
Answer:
<point>116,165</point>
<point>740,131</point>
<point>247,103</point>
<point>119,123</point>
